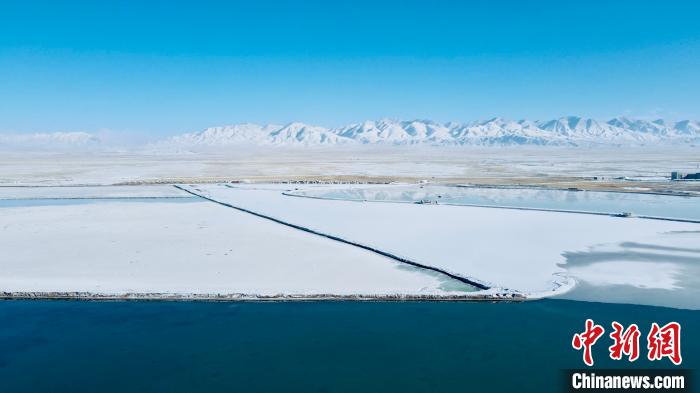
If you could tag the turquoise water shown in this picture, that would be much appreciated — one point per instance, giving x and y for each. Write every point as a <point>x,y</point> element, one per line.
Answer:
<point>80,346</point>
<point>593,201</point>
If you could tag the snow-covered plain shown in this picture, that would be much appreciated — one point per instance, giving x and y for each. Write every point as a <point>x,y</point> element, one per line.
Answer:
<point>527,251</point>
<point>120,247</point>
<point>545,166</point>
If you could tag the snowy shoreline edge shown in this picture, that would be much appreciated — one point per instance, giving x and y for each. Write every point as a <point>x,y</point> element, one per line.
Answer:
<point>251,297</point>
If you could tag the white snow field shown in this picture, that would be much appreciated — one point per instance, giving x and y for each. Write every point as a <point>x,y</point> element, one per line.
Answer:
<point>191,248</point>
<point>526,251</point>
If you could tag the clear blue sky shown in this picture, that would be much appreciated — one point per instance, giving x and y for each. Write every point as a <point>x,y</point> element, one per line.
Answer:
<point>164,67</point>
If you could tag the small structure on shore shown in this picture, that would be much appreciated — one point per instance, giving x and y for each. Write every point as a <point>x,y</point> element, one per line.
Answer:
<point>675,175</point>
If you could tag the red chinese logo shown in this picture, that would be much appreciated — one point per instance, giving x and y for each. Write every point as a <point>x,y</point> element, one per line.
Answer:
<point>626,342</point>
<point>586,340</point>
<point>665,342</point>
<point>662,342</point>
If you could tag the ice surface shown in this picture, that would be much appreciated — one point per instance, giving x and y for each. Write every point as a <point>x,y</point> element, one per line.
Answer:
<point>115,247</point>
<point>91,192</point>
<point>663,271</point>
<point>683,207</point>
<point>521,250</point>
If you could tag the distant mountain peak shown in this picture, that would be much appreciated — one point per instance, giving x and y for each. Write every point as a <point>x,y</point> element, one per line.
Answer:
<point>562,131</point>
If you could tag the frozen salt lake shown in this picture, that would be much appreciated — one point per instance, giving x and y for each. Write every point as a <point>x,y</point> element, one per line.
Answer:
<point>540,253</point>
<point>671,206</point>
<point>138,245</point>
<point>91,192</point>
<point>160,239</point>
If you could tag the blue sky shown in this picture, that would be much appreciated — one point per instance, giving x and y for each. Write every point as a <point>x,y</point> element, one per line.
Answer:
<point>165,67</point>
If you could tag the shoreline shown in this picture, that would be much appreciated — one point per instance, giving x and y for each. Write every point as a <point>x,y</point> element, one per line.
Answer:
<point>236,297</point>
<point>583,183</point>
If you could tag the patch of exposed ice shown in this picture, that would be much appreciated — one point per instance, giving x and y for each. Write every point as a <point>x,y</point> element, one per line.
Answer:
<point>89,192</point>
<point>636,274</point>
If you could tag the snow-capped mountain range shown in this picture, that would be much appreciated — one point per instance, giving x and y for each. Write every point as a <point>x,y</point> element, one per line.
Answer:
<point>565,131</point>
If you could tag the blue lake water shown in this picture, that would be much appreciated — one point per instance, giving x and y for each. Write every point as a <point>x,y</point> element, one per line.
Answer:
<point>670,206</point>
<point>81,346</point>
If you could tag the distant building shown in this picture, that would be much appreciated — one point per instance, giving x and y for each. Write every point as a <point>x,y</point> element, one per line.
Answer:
<point>675,175</point>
